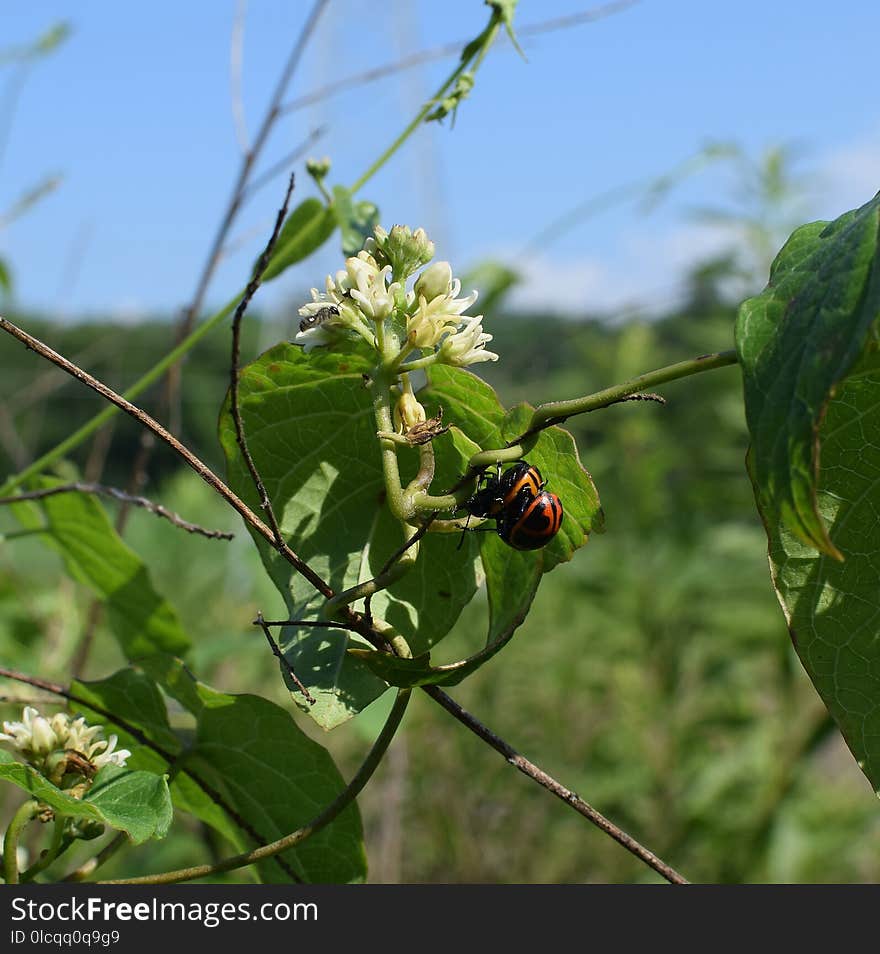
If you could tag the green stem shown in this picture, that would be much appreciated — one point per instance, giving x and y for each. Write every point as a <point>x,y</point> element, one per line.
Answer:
<point>388,448</point>
<point>485,41</point>
<point>25,814</point>
<point>58,845</point>
<point>417,363</point>
<point>353,789</point>
<point>153,375</point>
<point>558,411</point>
<point>370,587</point>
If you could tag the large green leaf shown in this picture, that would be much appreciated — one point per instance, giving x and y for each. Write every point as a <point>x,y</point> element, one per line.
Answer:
<point>135,802</point>
<point>130,704</point>
<point>252,753</point>
<point>813,326</point>
<point>309,425</point>
<point>833,607</point>
<point>77,526</point>
<point>241,765</point>
<point>138,803</point>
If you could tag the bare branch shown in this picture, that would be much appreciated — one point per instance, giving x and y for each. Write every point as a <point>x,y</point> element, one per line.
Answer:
<point>102,490</point>
<point>545,781</point>
<point>272,113</point>
<point>235,411</point>
<point>283,659</point>
<point>197,465</point>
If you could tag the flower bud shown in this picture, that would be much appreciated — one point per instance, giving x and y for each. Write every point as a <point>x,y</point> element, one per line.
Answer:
<point>408,412</point>
<point>318,168</point>
<point>435,280</point>
<point>401,248</point>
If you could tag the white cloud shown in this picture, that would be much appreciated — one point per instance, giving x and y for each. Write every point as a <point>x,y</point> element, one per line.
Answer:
<point>850,176</point>
<point>646,273</point>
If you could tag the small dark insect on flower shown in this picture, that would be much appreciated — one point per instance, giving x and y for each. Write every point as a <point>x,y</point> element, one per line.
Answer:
<point>319,317</point>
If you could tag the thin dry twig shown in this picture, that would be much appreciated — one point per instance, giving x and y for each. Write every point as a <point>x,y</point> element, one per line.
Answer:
<point>283,659</point>
<point>115,493</point>
<point>412,541</point>
<point>234,408</point>
<point>572,799</point>
<point>202,469</point>
<point>247,164</point>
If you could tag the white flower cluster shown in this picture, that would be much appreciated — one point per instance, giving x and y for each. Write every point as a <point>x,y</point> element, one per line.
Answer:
<point>371,291</point>
<point>37,738</point>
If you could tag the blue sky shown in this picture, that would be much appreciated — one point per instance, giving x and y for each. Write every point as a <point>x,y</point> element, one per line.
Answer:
<point>135,111</point>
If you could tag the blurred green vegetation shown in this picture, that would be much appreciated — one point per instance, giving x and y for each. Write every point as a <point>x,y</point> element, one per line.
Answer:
<point>654,675</point>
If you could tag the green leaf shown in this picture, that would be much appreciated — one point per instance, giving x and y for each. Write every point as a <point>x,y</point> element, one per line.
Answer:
<point>246,770</point>
<point>29,198</point>
<point>831,606</point>
<point>279,780</point>
<point>130,704</point>
<point>356,220</point>
<point>49,41</point>
<point>46,43</point>
<point>137,803</point>
<point>5,277</point>
<point>813,326</point>
<point>310,430</point>
<point>468,402</point>
<point>307,228</point>
<point>77,526</point>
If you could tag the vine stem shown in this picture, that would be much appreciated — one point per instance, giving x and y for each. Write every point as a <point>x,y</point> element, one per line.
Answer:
<point>487,36</point>
<point>83,487</point>
<point>556,412</point>
<point>342,801</point>
<point>560,791</point>
<point>23,817</point>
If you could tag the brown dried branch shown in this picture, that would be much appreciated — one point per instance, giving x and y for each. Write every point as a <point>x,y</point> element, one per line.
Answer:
<point>202,469</point>
<point>283,659</point>
<point>115,493</point>
<point>572,799</point>
<point>235,411</point>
